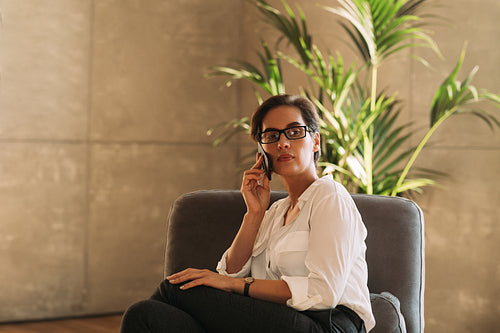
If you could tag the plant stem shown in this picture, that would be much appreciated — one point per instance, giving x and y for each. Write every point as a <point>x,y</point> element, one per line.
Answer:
<point>373,97</point>
<point>419,148</point>
<point>368,138</point>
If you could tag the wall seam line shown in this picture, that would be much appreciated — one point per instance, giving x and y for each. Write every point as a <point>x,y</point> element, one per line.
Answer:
<point>86,250</point>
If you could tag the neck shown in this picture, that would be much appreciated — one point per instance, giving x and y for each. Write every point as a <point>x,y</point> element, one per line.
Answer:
<point>296,185</point>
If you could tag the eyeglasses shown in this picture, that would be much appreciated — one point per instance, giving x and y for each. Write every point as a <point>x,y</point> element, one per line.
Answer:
<point>291,133</point>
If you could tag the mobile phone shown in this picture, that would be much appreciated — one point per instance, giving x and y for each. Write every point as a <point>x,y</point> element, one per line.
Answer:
<point>266,163</point>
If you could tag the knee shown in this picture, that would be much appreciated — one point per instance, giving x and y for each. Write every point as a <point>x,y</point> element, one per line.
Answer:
<point>138,308</point>
<point>165,292</point>
<point>155,316</point>
<point>135,316</point>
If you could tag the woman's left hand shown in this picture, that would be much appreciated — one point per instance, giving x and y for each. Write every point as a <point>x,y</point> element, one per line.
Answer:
<point>202,277</point>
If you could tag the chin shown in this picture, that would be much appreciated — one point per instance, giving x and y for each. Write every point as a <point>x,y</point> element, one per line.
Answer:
<point>287,172</point>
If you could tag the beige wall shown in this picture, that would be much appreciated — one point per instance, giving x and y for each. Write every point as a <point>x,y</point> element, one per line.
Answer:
<point>462,220</point>
<point>103,113</point>
<point>103,110</point>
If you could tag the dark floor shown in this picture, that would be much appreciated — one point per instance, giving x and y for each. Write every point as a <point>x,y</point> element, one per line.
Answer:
<point>101,324</point>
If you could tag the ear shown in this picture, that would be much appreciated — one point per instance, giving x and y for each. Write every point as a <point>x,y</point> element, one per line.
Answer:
<point>316,142</point>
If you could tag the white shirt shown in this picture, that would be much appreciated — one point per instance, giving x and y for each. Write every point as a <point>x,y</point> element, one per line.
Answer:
<point>320,254</point>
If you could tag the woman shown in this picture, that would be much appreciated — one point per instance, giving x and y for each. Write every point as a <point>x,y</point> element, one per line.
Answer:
<point>298,266</point>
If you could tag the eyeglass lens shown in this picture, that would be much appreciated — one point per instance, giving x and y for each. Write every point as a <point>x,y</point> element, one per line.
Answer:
<point>292,133</point>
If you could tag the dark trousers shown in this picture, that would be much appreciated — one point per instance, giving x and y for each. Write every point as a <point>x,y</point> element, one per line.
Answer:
<point>204,309</point>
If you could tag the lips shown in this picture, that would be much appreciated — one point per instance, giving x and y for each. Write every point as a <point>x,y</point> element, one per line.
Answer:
<point>285,158</point>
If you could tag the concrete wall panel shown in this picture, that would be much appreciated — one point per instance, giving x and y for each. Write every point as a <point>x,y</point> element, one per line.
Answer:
<point>42,230</point>
<point>44,56</point>
<point>149,62</point>
<point>112,94</point>
<point>462,242</point>
<point>133,187</point>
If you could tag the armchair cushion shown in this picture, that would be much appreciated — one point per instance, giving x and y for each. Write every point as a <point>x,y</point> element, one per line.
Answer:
<point>387,312</point>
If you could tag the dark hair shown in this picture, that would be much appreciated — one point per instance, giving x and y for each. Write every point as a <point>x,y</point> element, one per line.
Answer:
<point>306,107</point>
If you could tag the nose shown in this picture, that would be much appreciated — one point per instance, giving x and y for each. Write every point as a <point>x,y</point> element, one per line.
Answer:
<point>283,142</point>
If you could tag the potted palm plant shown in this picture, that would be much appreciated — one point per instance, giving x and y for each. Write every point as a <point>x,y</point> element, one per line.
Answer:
<point>362,141</point>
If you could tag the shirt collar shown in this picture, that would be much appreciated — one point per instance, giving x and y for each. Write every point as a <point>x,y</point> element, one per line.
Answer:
<point>306,195</point>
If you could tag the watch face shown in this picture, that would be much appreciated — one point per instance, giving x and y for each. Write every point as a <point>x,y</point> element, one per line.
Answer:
<point>249,279</point>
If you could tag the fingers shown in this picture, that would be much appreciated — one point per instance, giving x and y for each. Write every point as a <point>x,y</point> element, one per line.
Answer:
<point>252,178</point>
<point>256,168</point>
<point>253,174</point>
<point>196,277</point>
<point>258,161</point>
<point>187,274</point>
<point>191,284</point>
<point>190,274</point>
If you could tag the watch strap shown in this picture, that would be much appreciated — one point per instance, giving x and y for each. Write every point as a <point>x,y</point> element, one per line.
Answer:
<point>245,290</point>
<point>248,281</point>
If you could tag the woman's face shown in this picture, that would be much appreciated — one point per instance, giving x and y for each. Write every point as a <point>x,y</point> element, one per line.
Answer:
<point>290,157</point>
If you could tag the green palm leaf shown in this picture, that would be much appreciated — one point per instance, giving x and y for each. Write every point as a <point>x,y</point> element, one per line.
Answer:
<point>229,129</point>
<point>293,30</point>
<point>379,28</point>
<point>452,97</point>
<point>270,79</point>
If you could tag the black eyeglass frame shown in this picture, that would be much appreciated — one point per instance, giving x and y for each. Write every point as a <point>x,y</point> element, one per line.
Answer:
<point>283,131</point>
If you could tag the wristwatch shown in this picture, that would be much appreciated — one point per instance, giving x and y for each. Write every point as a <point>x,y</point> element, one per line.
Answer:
<point>248,282</point>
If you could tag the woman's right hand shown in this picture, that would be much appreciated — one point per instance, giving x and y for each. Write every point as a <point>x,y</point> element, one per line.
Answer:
<point>255,189</point>
<point>256,193</point>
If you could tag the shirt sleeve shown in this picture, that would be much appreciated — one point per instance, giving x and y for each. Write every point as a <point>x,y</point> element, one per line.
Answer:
<point>336,238</point>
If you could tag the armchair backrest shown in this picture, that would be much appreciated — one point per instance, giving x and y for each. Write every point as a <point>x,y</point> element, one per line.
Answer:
<point>203,224</point>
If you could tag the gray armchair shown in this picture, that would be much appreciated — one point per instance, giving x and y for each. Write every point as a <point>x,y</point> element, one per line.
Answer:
<point>203,224</point>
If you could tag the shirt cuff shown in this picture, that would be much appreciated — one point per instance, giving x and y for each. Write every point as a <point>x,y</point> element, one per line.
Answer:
<point>300,301</point>
<point>221,267</point>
